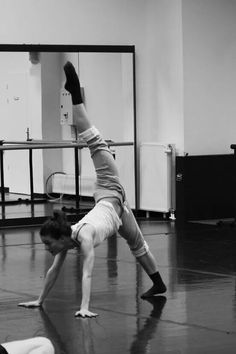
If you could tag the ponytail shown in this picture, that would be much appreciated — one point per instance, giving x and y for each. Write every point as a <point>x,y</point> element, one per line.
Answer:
<point>59,216</point>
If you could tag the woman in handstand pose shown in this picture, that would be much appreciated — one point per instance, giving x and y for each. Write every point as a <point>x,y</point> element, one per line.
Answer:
<point>111,214</point>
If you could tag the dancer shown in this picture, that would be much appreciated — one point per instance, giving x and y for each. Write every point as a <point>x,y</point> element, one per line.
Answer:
<point>37,345</point>
<point>111,214</point>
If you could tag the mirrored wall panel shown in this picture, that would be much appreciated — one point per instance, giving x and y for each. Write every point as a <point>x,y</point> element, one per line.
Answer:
<point>35,107</point>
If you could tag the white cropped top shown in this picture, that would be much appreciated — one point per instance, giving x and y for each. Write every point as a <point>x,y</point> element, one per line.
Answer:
<point>103,218</point>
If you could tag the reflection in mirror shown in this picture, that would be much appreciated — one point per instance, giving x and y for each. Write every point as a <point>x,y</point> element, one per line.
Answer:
<point>35,106</point>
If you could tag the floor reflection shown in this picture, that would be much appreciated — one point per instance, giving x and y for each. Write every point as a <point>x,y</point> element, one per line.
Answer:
<point>51,332</point>
<point>141,343</point>
<point>112,257</point>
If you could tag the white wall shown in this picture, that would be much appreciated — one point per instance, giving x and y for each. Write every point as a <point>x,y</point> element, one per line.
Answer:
<point>14,72</point>
<point>35,122</point>
<point>209,42</point>
<point>159,75</point>
<point>20,109</point>
<point>153,26</point>
<point>51,129</point>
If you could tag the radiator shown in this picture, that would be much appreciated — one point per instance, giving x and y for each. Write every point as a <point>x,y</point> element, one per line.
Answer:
<point>157,178</point>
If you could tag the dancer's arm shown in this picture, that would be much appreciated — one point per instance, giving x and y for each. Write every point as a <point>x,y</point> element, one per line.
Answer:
<point>87,249</point>
<point>50,279</point>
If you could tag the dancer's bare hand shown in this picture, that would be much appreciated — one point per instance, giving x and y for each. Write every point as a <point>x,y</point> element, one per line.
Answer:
<point>30,304</point>
<point>85,313</point>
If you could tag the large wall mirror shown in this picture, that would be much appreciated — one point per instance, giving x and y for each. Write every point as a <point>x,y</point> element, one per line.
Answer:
<point>34,107</point>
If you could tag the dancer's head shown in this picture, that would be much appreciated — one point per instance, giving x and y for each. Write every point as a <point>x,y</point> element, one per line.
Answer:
<point>55,233</point>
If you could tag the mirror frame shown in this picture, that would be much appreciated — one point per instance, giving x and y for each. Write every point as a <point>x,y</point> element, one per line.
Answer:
<point>88,49</point>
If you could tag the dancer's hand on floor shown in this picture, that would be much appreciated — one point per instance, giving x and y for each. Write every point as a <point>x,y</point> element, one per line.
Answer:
<point>85,313</point>
<point>30,304</point>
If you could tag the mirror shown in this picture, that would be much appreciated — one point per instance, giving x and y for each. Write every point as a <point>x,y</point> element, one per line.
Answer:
<point>35,107</point>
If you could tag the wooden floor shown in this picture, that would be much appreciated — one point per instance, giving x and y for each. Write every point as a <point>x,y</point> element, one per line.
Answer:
<point>196,315</point>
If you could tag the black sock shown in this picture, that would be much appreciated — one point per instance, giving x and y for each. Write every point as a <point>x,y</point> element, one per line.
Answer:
<point>72,84</point>
<point>157,288</point>
<point>156,278</point>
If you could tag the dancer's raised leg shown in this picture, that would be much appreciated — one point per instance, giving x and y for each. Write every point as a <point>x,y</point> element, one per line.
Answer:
<point>72,85</point>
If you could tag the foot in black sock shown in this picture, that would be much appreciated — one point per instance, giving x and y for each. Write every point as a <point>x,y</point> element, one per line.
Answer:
<point>154,290</point>
<point>157,288</point>
<point>72,84</point>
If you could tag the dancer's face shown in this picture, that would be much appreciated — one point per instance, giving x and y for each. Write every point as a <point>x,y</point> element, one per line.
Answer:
<point>52,245</point>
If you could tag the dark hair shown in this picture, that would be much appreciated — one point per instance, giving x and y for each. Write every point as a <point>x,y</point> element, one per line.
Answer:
<point>56,226</point>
